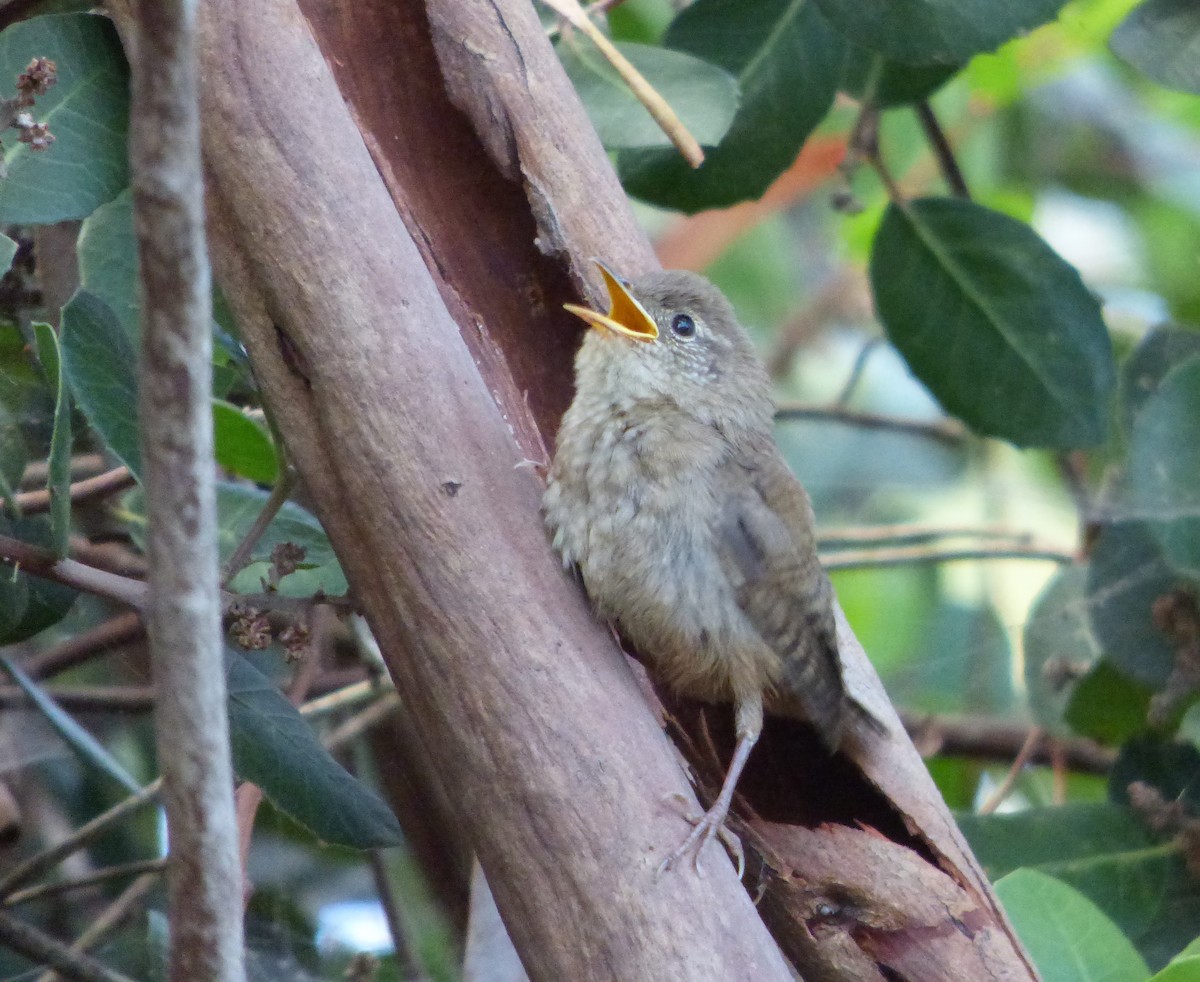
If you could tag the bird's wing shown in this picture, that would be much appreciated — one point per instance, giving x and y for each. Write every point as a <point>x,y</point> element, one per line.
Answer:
<point>768,552</point>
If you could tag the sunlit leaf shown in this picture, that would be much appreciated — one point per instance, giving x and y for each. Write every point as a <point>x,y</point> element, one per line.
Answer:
<point>1069,937</point>
<point>242,446</point>
<point>787,62</point>
<point>704,96</point>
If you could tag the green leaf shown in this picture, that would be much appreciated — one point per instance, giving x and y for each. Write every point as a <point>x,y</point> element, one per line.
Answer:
<point>704,96</point>
<point>866,74</point>
<point>1181,970</point>
<point>1067,935</point>
<point>242,446</point>
<point>13,452</point>
<point>1107,706</point>
<point>1161,39</point>
<point>89,749</point>
<point>787,63</point>
<point>276,749</point>
<point>237,508</point>
<point>1126,575</point>
<point>1159,351</point>
<point>108,261</point>
<point>88,113</point>
<point>58,479</point>
<point>29,604</point>
<point>1164,466</point>
<point>1104,851</point>
<point>100,363</point>
<point>1001,330</point>
<point>8,249</point>
<point>924,31</point>
<point>1059,645</point>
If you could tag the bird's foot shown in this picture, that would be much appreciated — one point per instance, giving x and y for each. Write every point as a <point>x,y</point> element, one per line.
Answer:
<point>711,823</point>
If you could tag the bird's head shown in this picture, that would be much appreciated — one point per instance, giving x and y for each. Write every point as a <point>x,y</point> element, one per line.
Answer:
<point>673,335</point>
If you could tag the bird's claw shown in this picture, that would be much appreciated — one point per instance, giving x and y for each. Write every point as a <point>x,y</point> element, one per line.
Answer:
<point>704,827</point>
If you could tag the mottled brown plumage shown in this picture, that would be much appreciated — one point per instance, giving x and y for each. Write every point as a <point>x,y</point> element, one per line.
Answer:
<point>669,494</point>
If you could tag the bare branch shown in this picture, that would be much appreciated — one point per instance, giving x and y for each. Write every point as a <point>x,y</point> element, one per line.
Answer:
<point>183,616</point>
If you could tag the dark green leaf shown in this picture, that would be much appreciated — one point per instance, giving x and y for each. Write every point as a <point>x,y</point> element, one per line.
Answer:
<point>242,446</point>
<point>786,61</point>
<point>1161,38</point>
<point>1069,937</point>
<point>867,75</point>
<point>1107,706</point>
<point>923,31</point>
<point>13,453</point>
<point>89,749</point>
<point>100,363</point>
<point>29,604</point>
<point>108,263</point>
<point>1142,372</point>
<point>1164,466</point>
<point>276,749</point>
<point>58,480</point>
<point>1126,575</point>
<point>1171,766</point>
<point>704,96</point>
<point>1059,645</point>
<point>1001,330</point>
<point>88,113</point>
<point>1106,852</point>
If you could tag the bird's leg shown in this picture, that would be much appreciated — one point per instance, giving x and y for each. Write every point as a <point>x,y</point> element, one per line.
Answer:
<point>749,725</point>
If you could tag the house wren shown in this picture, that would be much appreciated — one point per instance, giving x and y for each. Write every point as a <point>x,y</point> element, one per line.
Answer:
<point>670,495</point>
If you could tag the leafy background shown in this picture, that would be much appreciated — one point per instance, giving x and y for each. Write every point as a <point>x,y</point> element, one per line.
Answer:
<point>990,378</point>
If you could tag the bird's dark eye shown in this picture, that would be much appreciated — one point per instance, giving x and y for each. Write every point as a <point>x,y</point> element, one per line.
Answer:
<point>682,326</point>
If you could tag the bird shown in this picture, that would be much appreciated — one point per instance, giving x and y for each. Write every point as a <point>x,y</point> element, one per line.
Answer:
<point>669,495</point>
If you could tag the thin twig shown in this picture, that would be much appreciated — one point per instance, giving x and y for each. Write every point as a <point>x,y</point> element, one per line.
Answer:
<point>911,532</point>
<point>1018,765</point>
<point>592,9</point>
<point>82,466</point>
<point>343,698</point>
<point>362,721</point>
<point>37,502</point>
<point>646,94</point>
<point>43,563</point>
<point>241,555</point>
<point>45,950</point>
<point>989,738</point>
<point>101,698</point>
<point>80,883</point>
<point>944,431</point>
<point>942,150</point>
<point>116,631</point>
<point>110,918</point>
<point>858,559</point>
<point>856,371</point>
<point>81,837</point>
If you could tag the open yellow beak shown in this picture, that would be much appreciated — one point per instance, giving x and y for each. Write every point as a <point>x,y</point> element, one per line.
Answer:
<point>625,315</point>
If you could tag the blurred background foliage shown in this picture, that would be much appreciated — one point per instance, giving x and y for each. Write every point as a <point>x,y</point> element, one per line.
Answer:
<point>1029,596</point>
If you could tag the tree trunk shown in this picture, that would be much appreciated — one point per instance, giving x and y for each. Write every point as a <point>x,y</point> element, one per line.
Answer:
<point>402,195</point>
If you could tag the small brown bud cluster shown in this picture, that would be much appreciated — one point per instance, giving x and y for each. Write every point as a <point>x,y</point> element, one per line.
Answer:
<point>37,135</point>
<point>295,639</point>
<point>1168,818</point>
<point>250,629</point>
<point>40,74</point>
<point>1177,615</point>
